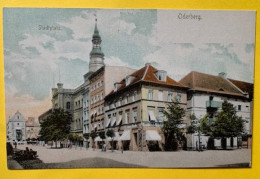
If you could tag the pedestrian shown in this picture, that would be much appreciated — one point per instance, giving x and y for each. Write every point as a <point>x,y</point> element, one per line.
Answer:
<point>15,145</point>
<point>122,149</point>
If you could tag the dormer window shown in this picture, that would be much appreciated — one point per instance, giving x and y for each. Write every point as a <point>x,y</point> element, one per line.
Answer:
<point>161,75</point>
<point>128,80</point>
<point>116,86</point>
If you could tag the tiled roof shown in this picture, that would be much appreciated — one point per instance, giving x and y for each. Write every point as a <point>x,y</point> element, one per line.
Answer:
<point>147,74</point>
<point>17,117</point>
<point>32,122</point>
<point>244,86</point>
<point>209,83</point>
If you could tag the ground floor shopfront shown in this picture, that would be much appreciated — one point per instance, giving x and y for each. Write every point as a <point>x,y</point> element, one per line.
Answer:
<point>134,138</point>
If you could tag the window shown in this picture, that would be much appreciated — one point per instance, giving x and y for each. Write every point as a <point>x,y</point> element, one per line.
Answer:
<point>150,94</point>
<point>135,96</point>
<point>120,101</point>
<point>151,115</point>
<point>68,105</point>
<point>178,97</point>
<point>126,117</point>
<point>127,80</point>
<point>160,95</point>
<point>161,75</point>
<point>115,86</point>
<point>160,114</point>
<point>239,107</point>
<point>169,97</point>
<point>134,115</point>
<point>127,99</point>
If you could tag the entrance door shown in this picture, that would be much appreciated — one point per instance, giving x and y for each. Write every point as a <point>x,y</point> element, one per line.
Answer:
<point>18,134</point>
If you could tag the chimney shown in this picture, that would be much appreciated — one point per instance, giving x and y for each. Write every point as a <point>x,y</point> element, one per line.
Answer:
<point>222,75</point>
<point>147,64</point>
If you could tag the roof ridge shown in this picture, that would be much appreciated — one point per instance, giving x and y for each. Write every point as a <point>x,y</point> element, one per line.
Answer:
<point>145,73</point>
<point>235,86</point>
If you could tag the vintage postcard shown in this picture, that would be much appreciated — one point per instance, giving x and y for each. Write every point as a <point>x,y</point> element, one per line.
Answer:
<point>128,88</point>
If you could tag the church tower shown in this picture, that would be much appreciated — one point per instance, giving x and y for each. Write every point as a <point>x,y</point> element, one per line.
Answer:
<point>96,54</point>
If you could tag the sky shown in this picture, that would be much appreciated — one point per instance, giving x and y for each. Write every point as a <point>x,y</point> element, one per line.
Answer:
<point>177,41</point>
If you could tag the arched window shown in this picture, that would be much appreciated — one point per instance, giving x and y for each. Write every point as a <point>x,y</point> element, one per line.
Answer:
<point>68,105</point>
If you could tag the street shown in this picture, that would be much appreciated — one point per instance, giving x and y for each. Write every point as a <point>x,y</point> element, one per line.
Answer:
<point>87,158</point>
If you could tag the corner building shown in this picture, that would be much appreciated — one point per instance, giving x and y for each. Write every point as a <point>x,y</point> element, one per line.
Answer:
<point>205,96</point>
<point>134,108</point>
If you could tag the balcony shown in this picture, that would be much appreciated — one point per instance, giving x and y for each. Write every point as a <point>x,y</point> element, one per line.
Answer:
<point>153,124</point>
<point>213,104</point>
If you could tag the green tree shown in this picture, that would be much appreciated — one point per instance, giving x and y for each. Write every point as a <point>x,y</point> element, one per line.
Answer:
<point>198,126</point>
<point>172,129</point>
<point>111,133</point>
<point>227,123</point>
<point>56,126</point>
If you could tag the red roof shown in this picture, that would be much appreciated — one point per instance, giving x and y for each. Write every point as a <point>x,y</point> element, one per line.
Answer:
<point>209,83</point>
<point>244,86</point>
<point>147,74</point>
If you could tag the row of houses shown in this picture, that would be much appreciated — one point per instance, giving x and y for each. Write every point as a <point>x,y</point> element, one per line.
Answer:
<point>19,129</point>
<point>131,102</point>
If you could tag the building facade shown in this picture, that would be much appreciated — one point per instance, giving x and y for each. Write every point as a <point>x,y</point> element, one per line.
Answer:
<point>205,96</point>
<point>32,128</point>
<point>134,109</point>
<point>16,128</point>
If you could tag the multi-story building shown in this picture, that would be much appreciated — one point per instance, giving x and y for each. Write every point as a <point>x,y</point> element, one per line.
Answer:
<point>32,128</point>
<point>76,101</point>
<point>248,90</point>
<point>16,128</point>
<point>205,96</point>
<point>134,108</point>
<point>101,83</point>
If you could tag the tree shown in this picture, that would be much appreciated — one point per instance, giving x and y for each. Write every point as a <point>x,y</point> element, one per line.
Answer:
<point>172,127</point>
<point>198,126</point>
<point>111,133</point>
<point>86,136</point>
<point>227,123</point>
<point>93,135</point>
<point>56,126</point>
<point>102,135</point>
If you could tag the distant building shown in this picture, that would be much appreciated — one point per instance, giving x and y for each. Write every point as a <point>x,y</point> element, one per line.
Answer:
<point>205,96</point>
<point>16,128</point>
<point>32,128</point>
<point>44,115</point>
<point>134,108</point>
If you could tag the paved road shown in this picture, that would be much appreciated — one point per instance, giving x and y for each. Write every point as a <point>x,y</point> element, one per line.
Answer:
<point>181,159</point>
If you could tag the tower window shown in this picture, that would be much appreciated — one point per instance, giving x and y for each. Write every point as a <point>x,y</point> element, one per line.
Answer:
<point>68,105</point>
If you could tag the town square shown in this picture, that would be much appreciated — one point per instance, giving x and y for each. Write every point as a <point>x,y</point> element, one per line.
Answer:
<point>133,95</point>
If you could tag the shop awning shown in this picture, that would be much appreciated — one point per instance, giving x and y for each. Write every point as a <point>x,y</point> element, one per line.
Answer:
<point>108,122</point>
<point>119,120</point>
<point>125,135</point>
<point>97,139</point>
<point>152,135</point>
<point>113,121</point>
<point>151,115</point>
<point>116,138</point>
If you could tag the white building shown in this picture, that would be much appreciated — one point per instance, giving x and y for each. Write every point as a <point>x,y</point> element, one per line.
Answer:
<point>205,96</point>
<point>16,128</point>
